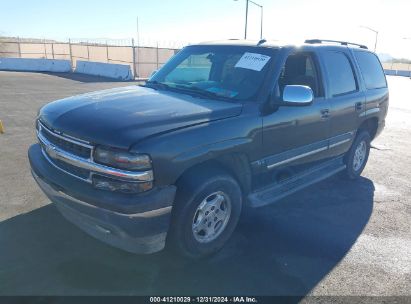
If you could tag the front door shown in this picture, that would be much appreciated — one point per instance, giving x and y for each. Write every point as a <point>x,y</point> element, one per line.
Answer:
<point>298,134</point>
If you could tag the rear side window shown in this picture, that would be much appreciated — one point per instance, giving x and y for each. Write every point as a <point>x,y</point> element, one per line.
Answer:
<point>371,70</point>
<point>340,73</point>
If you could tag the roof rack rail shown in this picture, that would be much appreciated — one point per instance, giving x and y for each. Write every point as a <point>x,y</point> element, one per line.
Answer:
<point>261,42</point>
<point>314,41</point>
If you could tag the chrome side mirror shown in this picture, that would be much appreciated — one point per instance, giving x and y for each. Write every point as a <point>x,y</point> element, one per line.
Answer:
<point>297,95</point>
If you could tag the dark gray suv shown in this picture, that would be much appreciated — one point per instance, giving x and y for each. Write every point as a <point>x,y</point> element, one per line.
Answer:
<point>220,126</point>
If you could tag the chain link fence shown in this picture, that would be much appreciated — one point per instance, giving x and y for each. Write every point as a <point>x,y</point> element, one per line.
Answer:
<point>397,66</point>
<point>143,60</point>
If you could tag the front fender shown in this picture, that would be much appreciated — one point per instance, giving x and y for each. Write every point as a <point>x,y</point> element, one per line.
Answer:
<point>211,151</point>
<point>173,153</point>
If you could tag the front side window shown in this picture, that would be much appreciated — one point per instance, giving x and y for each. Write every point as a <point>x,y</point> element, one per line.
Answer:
<point>300,69</point>
<point>371,70</point>
<point>229,72</point>
<point>340,73</point>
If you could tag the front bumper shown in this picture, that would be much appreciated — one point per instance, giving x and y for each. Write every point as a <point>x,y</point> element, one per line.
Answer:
<point>135,223</point>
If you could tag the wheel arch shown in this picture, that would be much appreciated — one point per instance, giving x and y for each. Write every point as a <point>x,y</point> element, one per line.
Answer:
<point>370,125</point>
<point>235,164</point>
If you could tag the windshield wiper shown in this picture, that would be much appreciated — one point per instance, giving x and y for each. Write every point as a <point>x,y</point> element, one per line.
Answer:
<point>154,84</point>
<point>192,91</point>
<point>202,93</point>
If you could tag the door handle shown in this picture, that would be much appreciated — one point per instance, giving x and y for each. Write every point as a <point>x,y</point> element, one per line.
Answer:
<point>358,106</point>
<point>325,113</point>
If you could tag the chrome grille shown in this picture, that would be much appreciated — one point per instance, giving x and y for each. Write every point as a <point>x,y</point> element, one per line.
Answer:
<point>75,157</point>
<point>66,144</point>
<point>79,172</point>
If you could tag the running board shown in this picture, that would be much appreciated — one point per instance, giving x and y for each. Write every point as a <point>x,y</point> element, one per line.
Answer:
<point>271,194</point>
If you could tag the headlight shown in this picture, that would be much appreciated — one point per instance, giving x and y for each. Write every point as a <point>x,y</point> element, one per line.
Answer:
<point>109,184</point>
<point>122,159</point>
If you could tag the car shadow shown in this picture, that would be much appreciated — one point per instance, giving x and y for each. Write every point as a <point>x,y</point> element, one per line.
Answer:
<point>281,249</point>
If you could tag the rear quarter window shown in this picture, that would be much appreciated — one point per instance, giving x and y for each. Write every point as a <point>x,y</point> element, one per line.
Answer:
<point>340,73</point>
<point>371,70</point>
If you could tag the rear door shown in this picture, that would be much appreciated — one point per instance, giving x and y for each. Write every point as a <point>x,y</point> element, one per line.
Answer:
<point>346,99</point>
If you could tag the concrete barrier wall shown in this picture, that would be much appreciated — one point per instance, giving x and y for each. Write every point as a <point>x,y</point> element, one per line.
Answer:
<point>116,71</point>
<point>398,72</point>
<point>389,72</point>
<point>142,60</point>
<point>34,65</point>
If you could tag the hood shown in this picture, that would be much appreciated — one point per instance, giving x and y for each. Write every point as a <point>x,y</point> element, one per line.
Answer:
<point>121,117</point>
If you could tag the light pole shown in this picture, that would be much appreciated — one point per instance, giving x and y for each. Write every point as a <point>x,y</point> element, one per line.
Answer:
<point>376,35</point>
<point>246,18</point>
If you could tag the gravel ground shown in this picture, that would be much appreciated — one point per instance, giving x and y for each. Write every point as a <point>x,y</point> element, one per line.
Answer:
<point>334,238</point>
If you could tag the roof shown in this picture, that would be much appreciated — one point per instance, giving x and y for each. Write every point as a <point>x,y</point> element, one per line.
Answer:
<point>243,42</point>
<point>280,44</point>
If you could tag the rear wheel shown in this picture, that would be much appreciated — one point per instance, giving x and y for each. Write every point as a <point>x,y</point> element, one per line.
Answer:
<point>356,158</point>
<point>205,214</point>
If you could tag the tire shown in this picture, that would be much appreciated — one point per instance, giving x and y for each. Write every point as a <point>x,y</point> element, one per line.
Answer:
<point>191,233</point>
<point>357,157</point>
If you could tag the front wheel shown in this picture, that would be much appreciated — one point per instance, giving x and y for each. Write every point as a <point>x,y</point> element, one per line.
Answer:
<point>356,158</point>
<point>205,215</point>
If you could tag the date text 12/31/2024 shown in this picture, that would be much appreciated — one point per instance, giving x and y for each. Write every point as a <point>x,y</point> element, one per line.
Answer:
<point>203,300</point>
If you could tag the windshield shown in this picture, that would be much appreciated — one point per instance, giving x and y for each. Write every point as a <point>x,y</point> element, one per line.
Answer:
<point>227,72</point>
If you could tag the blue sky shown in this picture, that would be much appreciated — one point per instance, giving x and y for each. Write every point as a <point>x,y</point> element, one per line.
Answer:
<point>190,21</point>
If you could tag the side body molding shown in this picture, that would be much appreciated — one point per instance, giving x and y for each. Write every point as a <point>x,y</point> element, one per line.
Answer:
<point>289,156</point>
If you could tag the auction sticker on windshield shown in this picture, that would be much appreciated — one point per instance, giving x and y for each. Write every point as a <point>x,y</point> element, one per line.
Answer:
<point>252,61</point>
